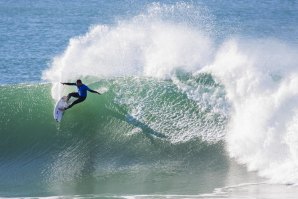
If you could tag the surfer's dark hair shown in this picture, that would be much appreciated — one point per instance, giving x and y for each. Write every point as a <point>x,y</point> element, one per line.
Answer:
<point>79,81</point>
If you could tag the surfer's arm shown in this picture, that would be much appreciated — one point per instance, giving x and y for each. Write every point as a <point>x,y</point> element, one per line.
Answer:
<point>92,91</point>
<point>70,84</point>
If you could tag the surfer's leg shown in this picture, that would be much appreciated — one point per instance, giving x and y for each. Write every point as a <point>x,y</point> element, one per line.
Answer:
<point>76,102</point>
<point>74,94</point>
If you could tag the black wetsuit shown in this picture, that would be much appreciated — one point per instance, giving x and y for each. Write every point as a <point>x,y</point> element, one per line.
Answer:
<point>81,94</point>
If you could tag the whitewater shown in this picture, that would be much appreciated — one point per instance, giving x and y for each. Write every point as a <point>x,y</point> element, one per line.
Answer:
<point>186,112</point>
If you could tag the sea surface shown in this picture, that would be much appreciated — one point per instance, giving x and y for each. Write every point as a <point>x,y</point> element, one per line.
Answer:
<point>199,99</point>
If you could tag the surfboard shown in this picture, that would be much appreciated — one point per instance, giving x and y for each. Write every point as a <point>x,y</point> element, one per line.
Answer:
<point>58,114</point>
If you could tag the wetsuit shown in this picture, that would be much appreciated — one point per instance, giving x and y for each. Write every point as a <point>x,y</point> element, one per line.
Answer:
<point>81,94</point>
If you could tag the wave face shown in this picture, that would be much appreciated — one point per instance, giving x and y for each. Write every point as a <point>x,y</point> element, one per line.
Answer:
<point>139,128</point>
<point>250,104</point>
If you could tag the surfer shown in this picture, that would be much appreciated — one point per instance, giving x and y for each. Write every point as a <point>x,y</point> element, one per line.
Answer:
<point>81,94</point>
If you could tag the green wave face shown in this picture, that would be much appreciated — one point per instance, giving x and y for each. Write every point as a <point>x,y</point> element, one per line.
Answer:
<point>139,129</point>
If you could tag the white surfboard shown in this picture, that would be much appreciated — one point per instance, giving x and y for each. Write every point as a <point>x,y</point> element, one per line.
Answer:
<point>58,114</point>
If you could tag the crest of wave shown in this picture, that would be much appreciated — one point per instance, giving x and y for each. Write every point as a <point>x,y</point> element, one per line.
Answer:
<point>154,43</point>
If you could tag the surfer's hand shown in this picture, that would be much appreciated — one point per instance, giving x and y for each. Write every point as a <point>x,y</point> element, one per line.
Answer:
<point>62,83</point>
<point>98,93</point>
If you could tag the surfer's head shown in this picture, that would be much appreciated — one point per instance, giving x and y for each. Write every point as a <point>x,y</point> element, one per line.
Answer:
<point>79,82</point>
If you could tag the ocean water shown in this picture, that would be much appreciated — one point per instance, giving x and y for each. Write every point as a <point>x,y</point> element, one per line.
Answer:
<point>199,99</point>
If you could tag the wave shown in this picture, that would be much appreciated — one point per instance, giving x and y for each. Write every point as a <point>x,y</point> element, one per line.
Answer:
<point>170,80</point>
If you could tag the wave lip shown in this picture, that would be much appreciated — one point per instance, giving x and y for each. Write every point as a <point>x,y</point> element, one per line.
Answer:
<point>154,43</point>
